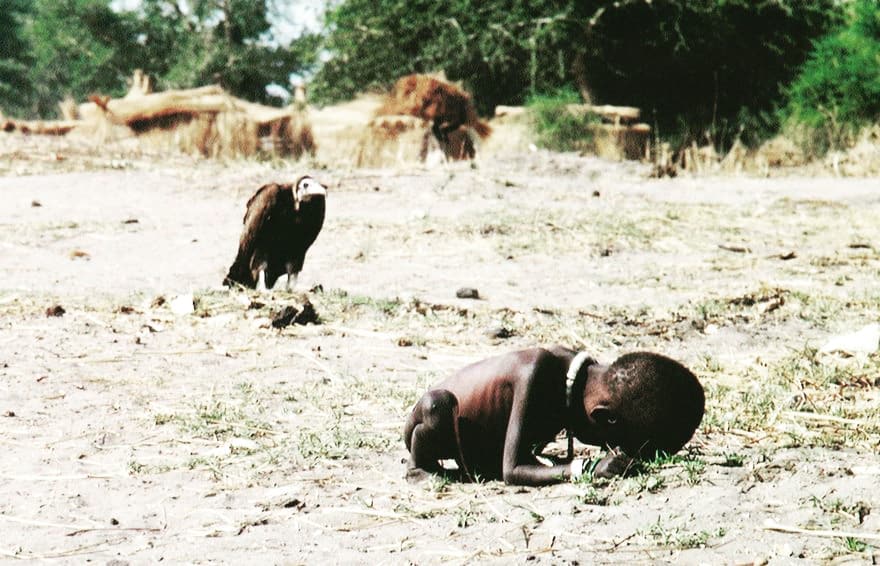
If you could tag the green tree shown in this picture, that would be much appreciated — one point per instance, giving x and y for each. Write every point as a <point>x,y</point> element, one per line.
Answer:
<point>838,89</point>
<point>79,47</point>
<point>14,57</point>
<point>219,41</point>
<point>693,66</point>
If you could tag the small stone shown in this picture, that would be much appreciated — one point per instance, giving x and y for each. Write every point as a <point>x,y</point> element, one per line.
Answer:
<point>596,194</point>
<point>467,293</point>
<point>9,413</point>
<point>307,315</point>
<point>499,332</point>
<point>36,204</point>
<point>284,317</point>
<point>55,310</point>
<point>114,521</point>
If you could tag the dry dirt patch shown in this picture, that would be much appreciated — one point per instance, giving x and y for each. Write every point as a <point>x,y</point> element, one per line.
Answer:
<point>135,434</point>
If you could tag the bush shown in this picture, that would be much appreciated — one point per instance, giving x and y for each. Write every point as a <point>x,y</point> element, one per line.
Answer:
<point>696,68</point>
<point>556,127</point>
<point>837,91</point>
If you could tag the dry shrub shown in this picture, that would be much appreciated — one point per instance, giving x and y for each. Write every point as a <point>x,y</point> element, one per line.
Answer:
<point>404,124</point>
<point>237,135</point>
<point>69,109</point>
<point>619,141</point>
<point>296,137</point>
<point>860,160</point>
<point>444,104</point>
<point>392,140</point>
<point>512,133</point>
<point>779,151</point>
<point>338,130</point>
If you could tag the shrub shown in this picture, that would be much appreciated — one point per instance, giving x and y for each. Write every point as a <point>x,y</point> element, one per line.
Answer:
<point>837,91</point>
<point>556,127</point>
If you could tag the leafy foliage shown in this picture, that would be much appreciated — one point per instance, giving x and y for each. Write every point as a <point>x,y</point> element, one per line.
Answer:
<point>838,89</point>
<point>79,47</point>
<point>694,66</point>
<point>219,41</point>
<point>556,127</point>
<point>14,57</point>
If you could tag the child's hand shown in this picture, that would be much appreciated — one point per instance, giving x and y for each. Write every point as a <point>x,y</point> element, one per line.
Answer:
<point>616,463</point>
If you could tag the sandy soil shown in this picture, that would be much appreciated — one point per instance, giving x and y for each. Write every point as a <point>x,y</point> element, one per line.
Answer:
<point>133,434</point>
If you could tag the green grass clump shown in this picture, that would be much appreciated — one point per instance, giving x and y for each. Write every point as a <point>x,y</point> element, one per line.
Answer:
<point>556,127</point>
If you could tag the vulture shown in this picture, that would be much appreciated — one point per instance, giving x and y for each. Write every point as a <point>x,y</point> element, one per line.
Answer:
<point>280,224</point>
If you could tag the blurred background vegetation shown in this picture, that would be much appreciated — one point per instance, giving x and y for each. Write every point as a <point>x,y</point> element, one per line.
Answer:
<point>701,70</point>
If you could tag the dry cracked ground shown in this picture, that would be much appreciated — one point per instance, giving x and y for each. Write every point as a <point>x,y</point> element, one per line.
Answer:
<point>131,434</point>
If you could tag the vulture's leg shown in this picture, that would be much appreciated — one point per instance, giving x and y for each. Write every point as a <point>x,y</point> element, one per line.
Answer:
<point>261,281</point>
<point>292,277</point>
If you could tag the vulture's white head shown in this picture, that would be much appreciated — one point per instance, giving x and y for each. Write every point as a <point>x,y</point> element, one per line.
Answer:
<point>308,188</point>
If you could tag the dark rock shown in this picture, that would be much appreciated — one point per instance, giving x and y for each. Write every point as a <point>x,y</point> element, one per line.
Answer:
<point>499,332</point>
<point>285,317</point>
<point>55,310</point>
<point>293,315</point>
<point>308,314</point>
<point>467,293</point>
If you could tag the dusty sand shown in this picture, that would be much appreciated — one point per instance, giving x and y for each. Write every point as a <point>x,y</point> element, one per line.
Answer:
<point>133,434</point>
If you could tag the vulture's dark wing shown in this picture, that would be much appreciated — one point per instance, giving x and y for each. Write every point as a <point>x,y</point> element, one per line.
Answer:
<point>260,208</point>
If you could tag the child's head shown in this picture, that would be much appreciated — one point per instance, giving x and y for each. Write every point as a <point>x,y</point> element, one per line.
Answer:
<point>645,402</point>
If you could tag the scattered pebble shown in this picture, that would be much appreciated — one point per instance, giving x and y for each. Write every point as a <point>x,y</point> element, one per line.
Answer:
<point>55,310</point>
<point>36,204</point>
<point>8,413</point>
<point>308,314</point>
<point>285,317</point>
<point>597,194</point>
<point>79,254</point>
<point>317,289</point>
<point>404,342</point>
<point>467,293</point>
<point>500,332</point>
<point>293,315</point>
<point>131,221</point>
